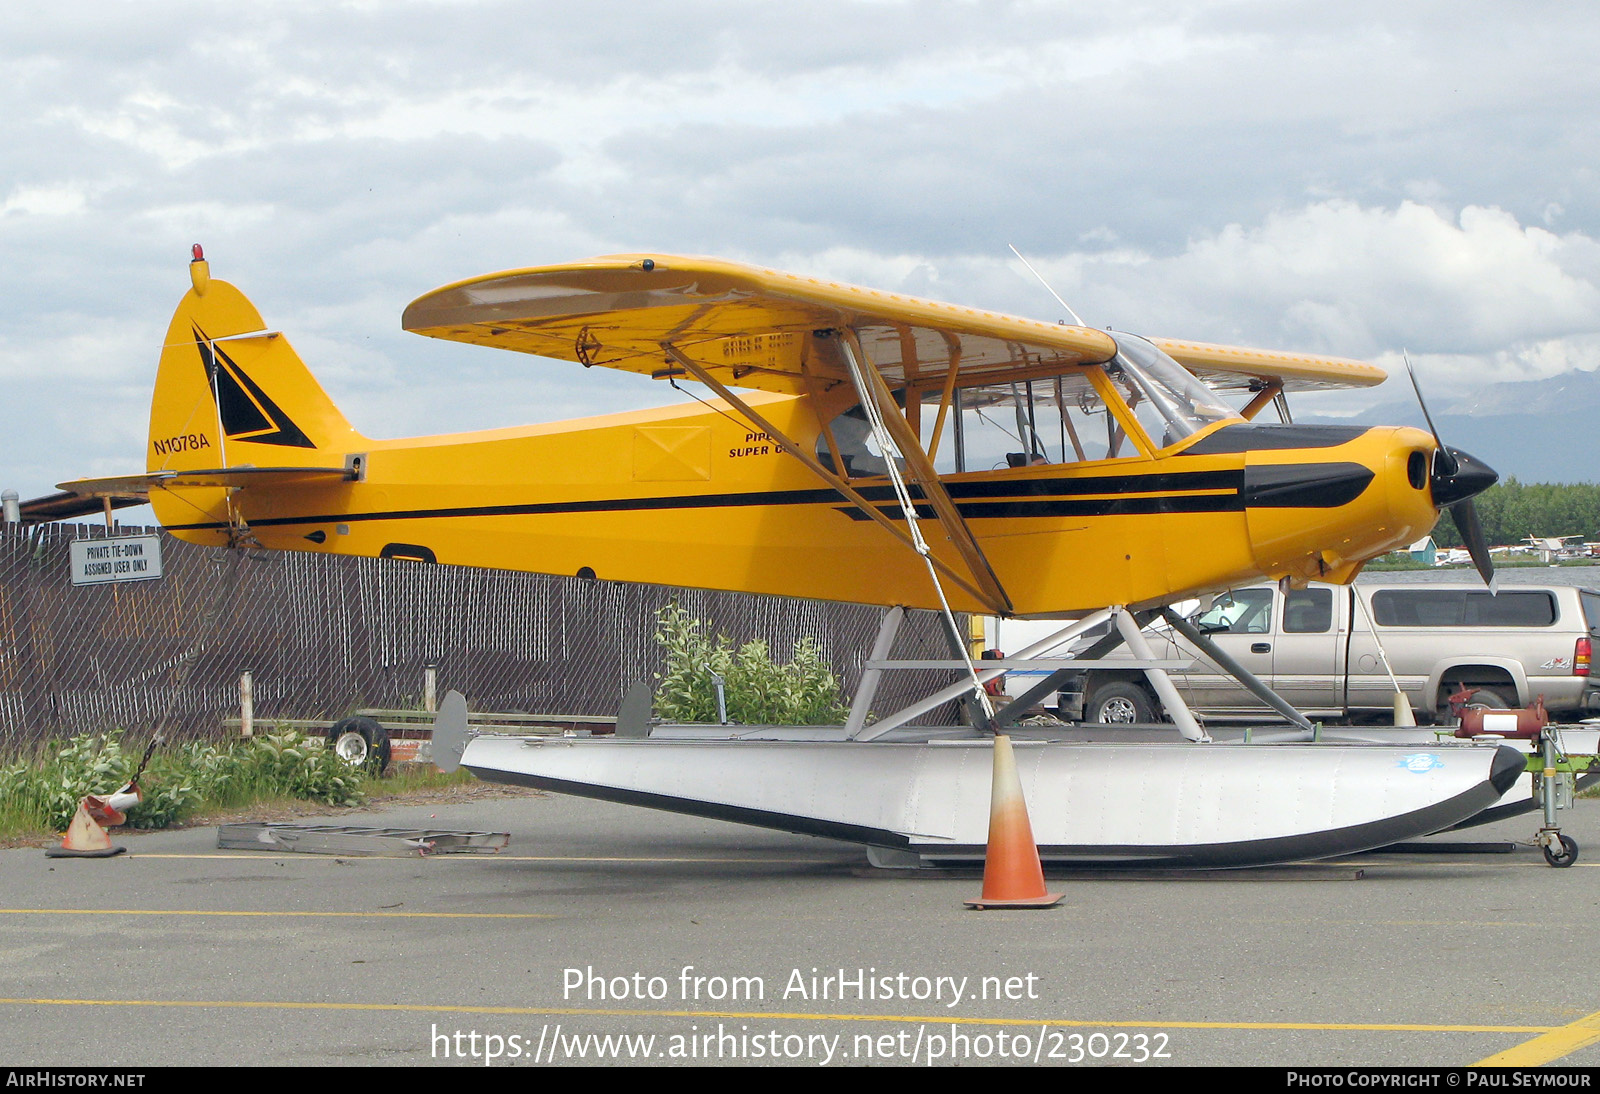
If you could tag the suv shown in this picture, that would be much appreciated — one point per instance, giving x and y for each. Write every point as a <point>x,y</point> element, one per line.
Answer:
<point>1318,647</point>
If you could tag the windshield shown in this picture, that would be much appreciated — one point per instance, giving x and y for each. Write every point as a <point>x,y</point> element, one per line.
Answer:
<point>1152,381</point>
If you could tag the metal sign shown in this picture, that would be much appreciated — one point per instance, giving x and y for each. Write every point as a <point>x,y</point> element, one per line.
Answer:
<point>125,558</point>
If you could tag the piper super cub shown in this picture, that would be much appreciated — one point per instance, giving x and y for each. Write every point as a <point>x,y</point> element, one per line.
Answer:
<point>1038,470</point>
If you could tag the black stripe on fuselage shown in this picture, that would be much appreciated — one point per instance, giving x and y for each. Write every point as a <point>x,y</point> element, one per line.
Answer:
<point>1267,436</point>
<point>1213,491</point>
<point>1077,507</point>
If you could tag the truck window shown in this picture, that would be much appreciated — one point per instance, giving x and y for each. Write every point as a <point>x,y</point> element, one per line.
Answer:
<point>1591,611</point>
<point>1462,608</point>
<point>1247,611</point>
<point>1308,611</point>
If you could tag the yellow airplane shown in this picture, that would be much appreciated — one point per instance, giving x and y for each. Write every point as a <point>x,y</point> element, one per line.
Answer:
<point>1058,471</point>
<point>1061,468</point>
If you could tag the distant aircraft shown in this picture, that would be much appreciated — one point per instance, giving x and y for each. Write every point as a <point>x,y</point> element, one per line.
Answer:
<point>1551,548</point>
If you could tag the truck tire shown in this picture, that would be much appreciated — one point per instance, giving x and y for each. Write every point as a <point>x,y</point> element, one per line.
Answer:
<point>1487,698</point>
<point>361,742</point>
<point>1492,699</point>
<point>1121,703</point>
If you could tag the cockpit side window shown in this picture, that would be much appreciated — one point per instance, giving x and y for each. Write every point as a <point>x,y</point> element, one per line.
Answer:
<point>988,427</point>
<point>1051,419</point>
<point>858,448</point>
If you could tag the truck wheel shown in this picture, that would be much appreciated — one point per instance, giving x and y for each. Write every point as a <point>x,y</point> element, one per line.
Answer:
<point>1491,699</point>
<point>1121,704</point>
<point>1485,699</point>
<point>361,742</point>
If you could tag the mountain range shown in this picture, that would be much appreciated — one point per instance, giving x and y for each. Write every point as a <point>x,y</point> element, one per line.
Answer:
<point>1535,430</point>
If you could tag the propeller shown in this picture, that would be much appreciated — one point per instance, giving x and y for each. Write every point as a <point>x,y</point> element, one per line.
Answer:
<point>1458,477</point>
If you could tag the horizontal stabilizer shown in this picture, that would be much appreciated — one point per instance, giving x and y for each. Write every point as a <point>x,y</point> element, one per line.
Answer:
<point>239,478</point>
<point>71,504</point>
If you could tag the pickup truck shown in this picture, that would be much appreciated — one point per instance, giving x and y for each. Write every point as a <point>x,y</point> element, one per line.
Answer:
<point>1318,648</point>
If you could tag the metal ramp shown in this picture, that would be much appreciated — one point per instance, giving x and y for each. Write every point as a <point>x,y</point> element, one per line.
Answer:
<point>338,839</point>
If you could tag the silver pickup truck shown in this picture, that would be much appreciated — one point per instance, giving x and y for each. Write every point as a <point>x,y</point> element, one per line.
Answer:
<point>1316,648</point>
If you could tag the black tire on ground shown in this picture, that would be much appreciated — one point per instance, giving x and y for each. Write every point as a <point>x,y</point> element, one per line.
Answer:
<point>361,742</point>
<point>1568,855</point>
<point>1120,703</point>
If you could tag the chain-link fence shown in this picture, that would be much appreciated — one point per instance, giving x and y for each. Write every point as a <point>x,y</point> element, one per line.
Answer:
<point>323,635</point>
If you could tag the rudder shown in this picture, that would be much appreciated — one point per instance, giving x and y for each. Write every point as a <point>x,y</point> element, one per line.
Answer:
<point>228,392</point>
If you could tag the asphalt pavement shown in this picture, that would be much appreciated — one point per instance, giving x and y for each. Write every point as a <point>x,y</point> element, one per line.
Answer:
<point>608,934</point>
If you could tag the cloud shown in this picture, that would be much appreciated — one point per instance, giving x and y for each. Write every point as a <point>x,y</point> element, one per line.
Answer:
<point>1354,178</point>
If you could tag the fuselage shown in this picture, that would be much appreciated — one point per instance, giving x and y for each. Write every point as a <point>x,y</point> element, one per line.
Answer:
<point>1134,484</point>
<point>691,496</point>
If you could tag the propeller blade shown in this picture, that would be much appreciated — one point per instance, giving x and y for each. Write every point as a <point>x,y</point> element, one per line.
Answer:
<point>1465,514</point>
<point>1444,463</point>
<point>1457,478</point>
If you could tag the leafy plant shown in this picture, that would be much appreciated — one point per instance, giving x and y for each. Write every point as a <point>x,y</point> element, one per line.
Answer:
<point>302,767</point>
<point>181,779</point>
<point>90,763</point>
<point>757,690</point>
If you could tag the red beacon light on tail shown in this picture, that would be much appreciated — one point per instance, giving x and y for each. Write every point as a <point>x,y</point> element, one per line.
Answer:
<point>199,270</point>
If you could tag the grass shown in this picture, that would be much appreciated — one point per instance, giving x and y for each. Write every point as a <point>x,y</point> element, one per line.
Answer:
<point>39,793</point>
<point>406,779</point>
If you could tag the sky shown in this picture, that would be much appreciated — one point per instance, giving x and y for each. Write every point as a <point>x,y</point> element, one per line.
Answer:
<point>1359,179</point>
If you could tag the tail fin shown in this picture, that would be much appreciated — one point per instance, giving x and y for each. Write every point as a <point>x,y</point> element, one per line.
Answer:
<point>230,393</point>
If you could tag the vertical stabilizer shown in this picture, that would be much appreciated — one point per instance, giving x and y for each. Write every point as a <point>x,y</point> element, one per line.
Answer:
<point>229,393</point>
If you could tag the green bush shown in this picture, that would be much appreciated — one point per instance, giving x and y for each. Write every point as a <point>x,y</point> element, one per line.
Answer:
<point>758,691</point>
<point>179,781</point>
<point>48,793</point>
<point>300,766</point>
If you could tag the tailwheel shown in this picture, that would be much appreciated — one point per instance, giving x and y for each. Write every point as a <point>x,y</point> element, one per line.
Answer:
<point>1566,856</point>
<point>361,742</point>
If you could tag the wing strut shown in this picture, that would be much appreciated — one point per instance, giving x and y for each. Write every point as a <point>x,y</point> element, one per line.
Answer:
<point>878,404</point>
<point>1267,394</point>
<point>923,474</point>
<point>844,488</point>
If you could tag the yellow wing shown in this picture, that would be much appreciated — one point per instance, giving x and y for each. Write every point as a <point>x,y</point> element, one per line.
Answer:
<point>1231,368</point>
<point>750,327</point>
<point>757,328</point>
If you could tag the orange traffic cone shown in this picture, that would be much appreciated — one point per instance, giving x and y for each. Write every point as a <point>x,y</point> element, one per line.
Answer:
<point>1012,874</point>
<point>84,837</point>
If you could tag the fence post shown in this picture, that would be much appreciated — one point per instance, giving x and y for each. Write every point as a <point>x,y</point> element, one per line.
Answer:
<point>430,688</point>
<point>247,705</point>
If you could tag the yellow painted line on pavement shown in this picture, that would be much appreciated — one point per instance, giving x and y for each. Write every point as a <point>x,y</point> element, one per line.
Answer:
<point>264,856</point>
<point>1549,1046</point>
<point>936,1019</point>
<point>284,914</point>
